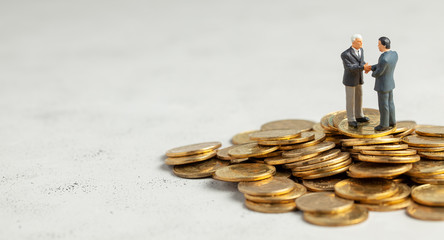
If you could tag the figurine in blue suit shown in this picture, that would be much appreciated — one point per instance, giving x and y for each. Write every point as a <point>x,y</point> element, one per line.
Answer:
<point>385,83</point>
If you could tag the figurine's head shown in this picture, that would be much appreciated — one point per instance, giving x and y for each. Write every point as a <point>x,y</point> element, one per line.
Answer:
<point>383,44</point>
<point>356,41</point>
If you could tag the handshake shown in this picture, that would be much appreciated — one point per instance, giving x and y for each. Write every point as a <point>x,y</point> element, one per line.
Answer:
<point>367,68</point>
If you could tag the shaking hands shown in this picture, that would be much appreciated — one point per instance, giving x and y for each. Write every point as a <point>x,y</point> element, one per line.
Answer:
<point>367,68</point>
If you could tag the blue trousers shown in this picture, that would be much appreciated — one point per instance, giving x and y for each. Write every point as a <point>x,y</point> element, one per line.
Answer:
<point>386,108</point>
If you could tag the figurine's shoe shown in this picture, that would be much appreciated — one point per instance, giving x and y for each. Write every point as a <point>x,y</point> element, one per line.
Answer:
<point>363,119</point>
<point>353,124</point>
<point>381,128</point>
<point>392,125</point>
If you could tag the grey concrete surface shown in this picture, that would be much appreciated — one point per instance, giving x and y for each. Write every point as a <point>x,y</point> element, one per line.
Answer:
<point>92,93</point>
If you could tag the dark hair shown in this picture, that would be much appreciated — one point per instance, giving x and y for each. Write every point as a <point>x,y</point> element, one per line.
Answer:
<point>385,41</point>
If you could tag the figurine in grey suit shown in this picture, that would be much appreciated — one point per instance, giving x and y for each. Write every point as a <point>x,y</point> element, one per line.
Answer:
<point>353,60</point>
<point>384,84</point>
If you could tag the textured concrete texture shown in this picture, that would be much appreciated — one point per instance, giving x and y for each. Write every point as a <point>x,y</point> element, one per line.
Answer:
<point>94,92</point>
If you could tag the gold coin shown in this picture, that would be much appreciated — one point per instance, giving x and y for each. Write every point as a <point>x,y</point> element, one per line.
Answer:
<point>389,159</point>
<point>325,171</point>
<point>332,153</point>
<point>430,195</point>
<point>343,114</point>
<point>190,159</point>
<point>370,141</point>
<point>439,181</point>
<point>277,134</point>
<point>407,152</point>
<point>432,155</point>
<point>388,147</point>
<point>223,153</point>
<point>365,130</point>
<point>403,126</point>
<point>297,124</point>
<point>427,149</point>
<point>298,191</point>
<point>425,212</point>
<point>386,207</point>
<point>318,128</point>
<point>267,187</point>
<point>323,202</point>
<point>375,170</point>
<point>239,160</point>
<point>321,184</point>
<point>325,122</point>
<point>423,141</point>
<point>270,207</point>
<point>343,156</point>
<point>317,138</point>
<point>365,188</point>
<point>321,147</point>
<point>402,195</point>
<point>426,168</point>
<point>305,137</point>
<point>193,149</point>
<point>285,160</point>
<point>200,169</point>
<point>430,130</point>
<point>243,137</point>
<point>244,172</point>
<point>282,173</point>
<point>355,215</point>
<point>250,150</point>
<point>403,134</point>
<point>270,154</point>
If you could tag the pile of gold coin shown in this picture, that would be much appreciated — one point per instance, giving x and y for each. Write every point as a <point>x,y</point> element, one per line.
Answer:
<point>335,174</point>
<point>429,202</point>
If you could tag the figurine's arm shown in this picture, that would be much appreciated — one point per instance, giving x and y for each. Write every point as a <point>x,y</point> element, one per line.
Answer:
<point>351,66</point>
<point>379,69</point>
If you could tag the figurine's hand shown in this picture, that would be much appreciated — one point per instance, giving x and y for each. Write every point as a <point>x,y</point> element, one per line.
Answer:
<point>367,68</point>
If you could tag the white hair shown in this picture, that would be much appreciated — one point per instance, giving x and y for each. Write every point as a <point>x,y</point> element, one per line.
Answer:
<point>356,36</point>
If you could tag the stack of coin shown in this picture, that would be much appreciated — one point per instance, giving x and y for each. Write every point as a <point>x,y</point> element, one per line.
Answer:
<point>195,160</point>
<point>271,195</point>
<point>326,209</point>
<point>429,141</point>
<point>427,171</point>
<point>428,202</point>
<point>375,194</point>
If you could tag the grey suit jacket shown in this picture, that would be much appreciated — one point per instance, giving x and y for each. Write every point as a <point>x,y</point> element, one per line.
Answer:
<point>353,67</point>
<point>383,71</point>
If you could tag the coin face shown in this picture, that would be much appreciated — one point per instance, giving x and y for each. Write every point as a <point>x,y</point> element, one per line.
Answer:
<point>200,169</point>
<point>343,156</point>
<point>355,215</point>
<point>430,195</point>
<point>428,149</point>
<point>375,170</point>
<point>423,141</point>
<point>297,124</point>
<point>386,207</point>
<point>425,212</point>
<point>430,130</point>
<point>305,137</point>
<point>323,202</point>
<point>425,168</point>
<point>190,159</point>
<point>407,152</point>
<point>298,191</point>
<point>327,171</point>
<point>403,126</point>
<point>277,134</point>
<point>341,115</point>
<point>365,130</point>
<point>270,207</point>
<point>432,155</point>
<point>365,188</point>
<point>389,159</point>
<point>332,153</point>
<point>243,137</point>
<point>223,153</point>
<point>321,147</point>
<point>402,195</point>
<point>321,184</point>
<point>243,172</point>
<point>267,187</point>
<point>250,150</point>
<point>193,149</point>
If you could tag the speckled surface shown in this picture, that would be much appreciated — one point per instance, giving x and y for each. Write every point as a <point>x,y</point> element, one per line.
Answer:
<point>92,94</point>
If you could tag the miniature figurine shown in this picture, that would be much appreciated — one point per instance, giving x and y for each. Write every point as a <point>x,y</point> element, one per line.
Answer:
<point>353,60</point>
<point>384,84</point>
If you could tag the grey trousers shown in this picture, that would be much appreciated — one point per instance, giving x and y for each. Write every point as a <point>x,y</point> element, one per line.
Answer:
<point>353,96</point>
<point>386,109</point>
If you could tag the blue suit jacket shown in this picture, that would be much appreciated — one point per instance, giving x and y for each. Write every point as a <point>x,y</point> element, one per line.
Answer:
<point>383,71</point>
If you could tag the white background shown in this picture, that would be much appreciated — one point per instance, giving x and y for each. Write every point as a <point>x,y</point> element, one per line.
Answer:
<point>92,94</point>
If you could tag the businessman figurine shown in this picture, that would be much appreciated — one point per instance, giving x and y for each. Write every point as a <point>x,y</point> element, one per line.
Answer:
<point>353,60</point>
<point>384,84</point>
